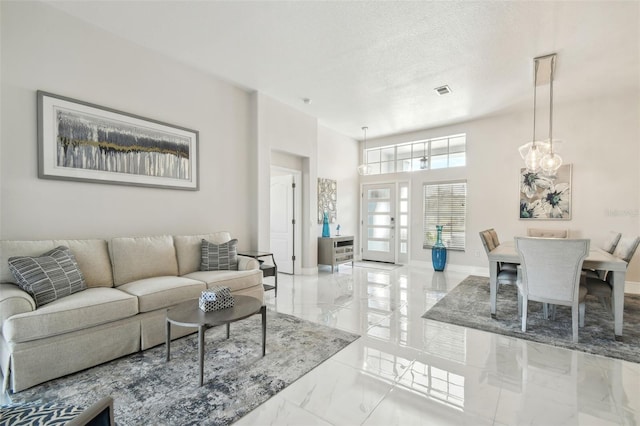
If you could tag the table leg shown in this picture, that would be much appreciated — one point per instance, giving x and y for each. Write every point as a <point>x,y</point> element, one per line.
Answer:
<point>493,285</point>
<point>618,301</point>
<point>263,311</point>
<point>201,352</point>
<point>168,339</point>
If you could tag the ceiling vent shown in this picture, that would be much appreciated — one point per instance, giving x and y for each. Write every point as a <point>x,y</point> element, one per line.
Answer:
<point>443,90</point>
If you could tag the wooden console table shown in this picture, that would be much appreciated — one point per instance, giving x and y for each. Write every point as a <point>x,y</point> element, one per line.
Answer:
<point>335,251</point>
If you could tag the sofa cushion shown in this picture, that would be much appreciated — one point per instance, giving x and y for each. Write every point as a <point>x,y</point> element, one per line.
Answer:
<point>219,257</point>
<point>88,308</point>
<point>142,257</point>
<point>162,292</point>
<point>51,276</point>
<point>189,248</point>
<point>93,260</point>
<point>235,280</point>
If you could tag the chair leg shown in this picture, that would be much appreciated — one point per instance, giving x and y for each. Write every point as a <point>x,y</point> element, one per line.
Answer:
<point>525,308</point>
<point>581,308</point>
<point>553,312</point>
<point>545,310</point>
<point>574,322</point>
<point>519,304</point>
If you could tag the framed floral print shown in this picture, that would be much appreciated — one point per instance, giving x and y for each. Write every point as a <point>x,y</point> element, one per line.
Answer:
<point>544,197</point>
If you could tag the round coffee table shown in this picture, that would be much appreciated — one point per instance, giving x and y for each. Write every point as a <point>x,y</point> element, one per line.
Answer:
<point>188,314</point>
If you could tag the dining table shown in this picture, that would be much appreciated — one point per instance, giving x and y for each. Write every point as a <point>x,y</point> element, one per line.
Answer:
<point>597,259</point>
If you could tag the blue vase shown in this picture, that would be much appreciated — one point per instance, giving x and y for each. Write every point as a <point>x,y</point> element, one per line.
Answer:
<point>325,226</point>
<point>439,252</point>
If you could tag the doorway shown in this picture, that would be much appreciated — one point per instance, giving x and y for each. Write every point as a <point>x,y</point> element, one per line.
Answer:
<point>286,207</point>
<point>379,222</point>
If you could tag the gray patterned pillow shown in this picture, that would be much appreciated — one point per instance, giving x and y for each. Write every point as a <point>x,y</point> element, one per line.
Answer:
<point>48,277</point>
<point>219,257</point>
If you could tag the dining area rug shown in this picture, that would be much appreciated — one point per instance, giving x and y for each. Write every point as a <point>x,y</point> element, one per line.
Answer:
<point>148,390</point>
<point>468,305</point>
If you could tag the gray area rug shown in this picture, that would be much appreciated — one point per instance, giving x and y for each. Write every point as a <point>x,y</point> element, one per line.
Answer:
<point>468,305</point>
<point>149,391</point>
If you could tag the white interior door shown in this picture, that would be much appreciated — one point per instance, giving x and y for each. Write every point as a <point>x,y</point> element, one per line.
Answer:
<point>379,222</point>
<point>285,241</point>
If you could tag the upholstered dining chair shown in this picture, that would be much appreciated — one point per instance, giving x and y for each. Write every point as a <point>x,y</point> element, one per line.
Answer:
<point>550,273</point>
<point>609,245</point>
<point>547,233</point>
<point>602,287</point>
<point>507,271</point>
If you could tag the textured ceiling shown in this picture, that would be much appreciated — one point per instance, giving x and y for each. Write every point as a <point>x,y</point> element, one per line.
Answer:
<point>377,63</point>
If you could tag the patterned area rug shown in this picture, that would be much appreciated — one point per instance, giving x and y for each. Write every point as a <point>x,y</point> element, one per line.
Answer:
<point>147,390</point>
<point>468,305</point>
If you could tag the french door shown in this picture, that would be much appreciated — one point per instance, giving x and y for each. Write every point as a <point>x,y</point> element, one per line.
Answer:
<point>379,222</point>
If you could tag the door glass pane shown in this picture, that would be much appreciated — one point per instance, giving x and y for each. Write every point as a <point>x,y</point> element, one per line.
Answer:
<point>403,220</point>
<point>403,247</point>
<point>404,207</point>
<point>382,220</point>
<point>404,192</point>
<point>378,246</point>
<point>379,207</point>
<point>379,232</point>
<point>404,232</point>
<point>377,194</point>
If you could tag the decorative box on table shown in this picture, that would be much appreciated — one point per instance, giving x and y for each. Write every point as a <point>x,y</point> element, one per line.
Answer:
<point>216,298</point>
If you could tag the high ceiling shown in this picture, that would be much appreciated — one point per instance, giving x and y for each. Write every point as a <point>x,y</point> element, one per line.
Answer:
<point>377,63</point>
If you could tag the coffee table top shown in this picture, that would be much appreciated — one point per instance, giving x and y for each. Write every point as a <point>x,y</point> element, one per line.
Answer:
<point>189,314</point>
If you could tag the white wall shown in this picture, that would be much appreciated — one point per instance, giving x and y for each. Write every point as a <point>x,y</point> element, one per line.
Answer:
<point>601,138</point>
<point>337,159</point>
<point>42,48</point>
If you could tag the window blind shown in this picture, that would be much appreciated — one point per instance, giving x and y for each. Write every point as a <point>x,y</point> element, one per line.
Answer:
<point>445,204</point>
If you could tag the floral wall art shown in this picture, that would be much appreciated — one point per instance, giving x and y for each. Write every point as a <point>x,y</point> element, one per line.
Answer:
<point>544,197</point>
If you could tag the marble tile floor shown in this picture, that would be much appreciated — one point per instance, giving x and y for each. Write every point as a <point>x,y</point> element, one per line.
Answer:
<point>406,370</point>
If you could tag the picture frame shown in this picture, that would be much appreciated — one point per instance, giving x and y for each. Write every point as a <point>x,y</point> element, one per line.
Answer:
<point>545,197</point>
<point>81,141</point>
<point>327,199</point>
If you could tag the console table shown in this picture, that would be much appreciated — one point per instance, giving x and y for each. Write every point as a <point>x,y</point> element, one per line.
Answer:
<point>267,270</point>
<point>335,250</point>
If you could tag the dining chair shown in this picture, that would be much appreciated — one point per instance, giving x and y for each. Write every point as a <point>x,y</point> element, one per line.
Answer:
<point>602,287</point>
<point>547,233</point>
<point>609,245</point>
<point>550,273</point>
<point>506,271</point>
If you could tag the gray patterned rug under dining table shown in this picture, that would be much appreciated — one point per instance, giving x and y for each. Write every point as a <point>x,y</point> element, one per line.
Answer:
<point>468,305</point>
<point>147,390</point>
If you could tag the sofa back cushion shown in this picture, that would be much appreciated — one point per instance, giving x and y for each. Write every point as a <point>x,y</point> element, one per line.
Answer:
<point>188,249</point>
<point>93,260</point>
<point>92,257</point>
<point>142,257</point>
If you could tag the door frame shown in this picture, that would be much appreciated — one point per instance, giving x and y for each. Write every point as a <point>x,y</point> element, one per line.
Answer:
<point>394,213</point>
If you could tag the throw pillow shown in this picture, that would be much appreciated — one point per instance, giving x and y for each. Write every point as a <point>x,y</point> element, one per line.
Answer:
<point>219,257</point>
<point>48,277</point>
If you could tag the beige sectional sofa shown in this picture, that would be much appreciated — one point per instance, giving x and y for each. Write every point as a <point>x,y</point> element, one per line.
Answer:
<point>130,284</point>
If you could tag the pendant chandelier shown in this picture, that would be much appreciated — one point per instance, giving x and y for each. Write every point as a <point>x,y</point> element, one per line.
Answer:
<point>364,168</point>
<point>539,155</point>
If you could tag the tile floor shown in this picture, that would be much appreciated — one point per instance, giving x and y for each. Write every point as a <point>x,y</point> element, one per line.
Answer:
<point>405,370</point>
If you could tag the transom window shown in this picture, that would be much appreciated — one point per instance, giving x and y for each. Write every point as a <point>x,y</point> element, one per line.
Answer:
<point>439,153</point>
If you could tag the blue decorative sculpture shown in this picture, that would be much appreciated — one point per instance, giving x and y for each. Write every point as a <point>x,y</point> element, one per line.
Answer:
<point>439,252</point>
<point>325,226</point>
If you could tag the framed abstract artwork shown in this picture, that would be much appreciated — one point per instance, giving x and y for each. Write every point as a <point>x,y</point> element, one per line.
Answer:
<point>86,142</point>
<point>327,199</point>
<point>545,198</point>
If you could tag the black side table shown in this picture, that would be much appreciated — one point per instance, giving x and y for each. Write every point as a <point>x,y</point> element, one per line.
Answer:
<point>267,270</point>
